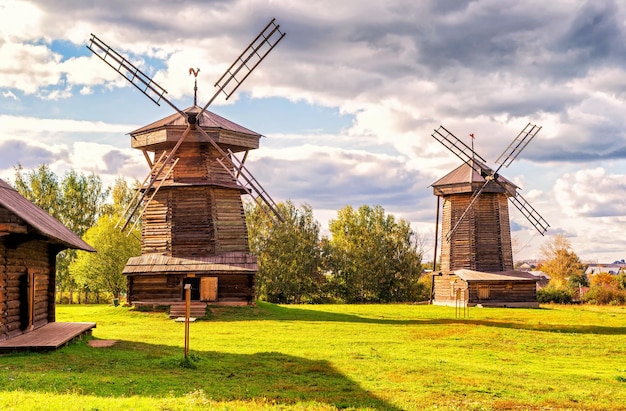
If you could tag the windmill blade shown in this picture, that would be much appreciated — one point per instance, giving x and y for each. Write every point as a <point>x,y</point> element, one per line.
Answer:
<point>231,163</point>
<point>126,69</point>
<point>158,173</point>
<point>133,203</point>
<point>530,213</point>
<point>518,144</point>
<point>474,197</point>
<point>156,190</point>
<point>458,148</point>
<point>254,188</point>
<point>247,61</point>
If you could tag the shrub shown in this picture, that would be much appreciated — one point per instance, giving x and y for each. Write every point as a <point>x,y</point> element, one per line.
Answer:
<point>602,294</point>
<point>554,295</point>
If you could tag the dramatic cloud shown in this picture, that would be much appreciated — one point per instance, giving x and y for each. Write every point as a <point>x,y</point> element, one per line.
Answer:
<point>395,70</point>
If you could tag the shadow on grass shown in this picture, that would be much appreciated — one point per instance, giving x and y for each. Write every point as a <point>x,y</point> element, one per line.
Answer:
<point>155,371</point>
<point>267,311</point>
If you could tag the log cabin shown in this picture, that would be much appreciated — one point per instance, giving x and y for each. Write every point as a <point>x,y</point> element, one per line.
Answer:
<point>30,239</point>
<point>477,259</point>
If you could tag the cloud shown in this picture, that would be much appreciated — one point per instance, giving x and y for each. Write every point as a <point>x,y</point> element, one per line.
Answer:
<point>592,193</point>
<point>398,69</point>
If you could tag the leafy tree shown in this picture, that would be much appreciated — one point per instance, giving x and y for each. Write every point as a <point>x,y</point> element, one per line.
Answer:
<point>288,253</point>
<point>40,187</point>
<point>76,201</point>
<point>560,261</point>
<point>122,194</point>
<point>604,279</point>
<point>102,271</point>
<point>82,199</point>
<point>372,257</point>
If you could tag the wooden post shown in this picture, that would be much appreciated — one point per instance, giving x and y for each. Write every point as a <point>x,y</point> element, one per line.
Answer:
<point>187,312</point>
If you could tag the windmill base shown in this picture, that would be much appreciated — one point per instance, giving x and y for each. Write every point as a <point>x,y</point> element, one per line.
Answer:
<point>157,280</point>
<point>475,288</point>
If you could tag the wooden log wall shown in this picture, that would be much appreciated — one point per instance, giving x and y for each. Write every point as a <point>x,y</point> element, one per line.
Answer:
<point>198,163</point>
<point>193,214</point>
<point>444,285</point>
<point>504,291</point>
<point>231,233</point>
<point>168,287</point>
<point>498,291</point>
<point>156,231</point>
<point>27,278</point>
<point>482,241</point>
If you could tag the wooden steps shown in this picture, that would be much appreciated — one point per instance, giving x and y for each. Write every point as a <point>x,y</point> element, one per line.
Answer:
<point>197,309</point>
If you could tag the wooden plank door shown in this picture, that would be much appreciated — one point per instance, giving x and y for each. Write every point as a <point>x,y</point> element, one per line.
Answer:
<point>208,289</point>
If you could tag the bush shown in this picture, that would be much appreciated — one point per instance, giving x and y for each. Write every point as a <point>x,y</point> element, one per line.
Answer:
<point>554,295</point>
<point>601,294</point>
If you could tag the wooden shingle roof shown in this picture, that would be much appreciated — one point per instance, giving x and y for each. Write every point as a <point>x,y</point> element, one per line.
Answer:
<point>479,276</point>
<point>40,221</point>
<point>209,120</point>
<point>466,179</point>
<point>234,263</point>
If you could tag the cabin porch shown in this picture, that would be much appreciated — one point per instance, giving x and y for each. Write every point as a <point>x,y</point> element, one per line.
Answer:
<point>49,337</point>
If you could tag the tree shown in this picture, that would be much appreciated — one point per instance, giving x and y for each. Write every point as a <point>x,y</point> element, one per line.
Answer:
<point>560,262</point>
<point>288,253</point>
<point>372,257</point>
<point>76,201</point>
<point>102,271</point>
<point>40,187</point>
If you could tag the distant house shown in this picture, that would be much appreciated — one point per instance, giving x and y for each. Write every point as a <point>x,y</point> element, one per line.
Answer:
<point>615,268</point>
<point>29,242</point>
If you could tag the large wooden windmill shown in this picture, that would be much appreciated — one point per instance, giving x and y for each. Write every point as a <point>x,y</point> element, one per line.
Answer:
<point>193,224</point>
<point>476,251</point>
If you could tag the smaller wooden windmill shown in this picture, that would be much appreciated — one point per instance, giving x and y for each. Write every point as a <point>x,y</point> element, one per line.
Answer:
<point>193,224</point>
<point>476,251</point>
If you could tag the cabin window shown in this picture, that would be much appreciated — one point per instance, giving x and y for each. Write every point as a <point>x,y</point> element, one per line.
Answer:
<point>483,293</point>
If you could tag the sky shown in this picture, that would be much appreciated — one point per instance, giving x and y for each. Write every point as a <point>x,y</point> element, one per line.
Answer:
<point>347,102</point>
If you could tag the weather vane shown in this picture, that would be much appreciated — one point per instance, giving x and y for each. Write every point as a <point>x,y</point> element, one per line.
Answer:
<point>195,84</point>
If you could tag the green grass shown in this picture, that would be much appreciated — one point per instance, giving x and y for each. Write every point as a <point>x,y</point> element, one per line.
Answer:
<point>327,357</point>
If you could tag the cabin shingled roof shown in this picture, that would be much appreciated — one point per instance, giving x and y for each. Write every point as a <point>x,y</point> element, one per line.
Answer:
<point>510,275</point>
<point>208,120</point>
<point>38,219</point>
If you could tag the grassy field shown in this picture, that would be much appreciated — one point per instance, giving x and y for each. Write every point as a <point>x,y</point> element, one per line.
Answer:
<point>327,357</point>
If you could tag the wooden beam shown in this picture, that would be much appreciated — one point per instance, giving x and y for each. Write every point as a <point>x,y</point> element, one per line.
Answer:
<point>13,228</point>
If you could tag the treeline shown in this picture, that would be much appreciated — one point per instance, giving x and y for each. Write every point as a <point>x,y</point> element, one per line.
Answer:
<point>89,209</point>
<point>369,256</point>
<point>568,281</point>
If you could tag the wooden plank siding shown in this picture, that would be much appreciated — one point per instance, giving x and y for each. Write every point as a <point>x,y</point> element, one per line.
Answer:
<point>483,239</point>
<point>521,293</point>
<point>169,287</point>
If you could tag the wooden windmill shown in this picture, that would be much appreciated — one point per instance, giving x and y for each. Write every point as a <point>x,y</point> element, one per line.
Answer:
<point>193,224</point>
<point>476,251</point>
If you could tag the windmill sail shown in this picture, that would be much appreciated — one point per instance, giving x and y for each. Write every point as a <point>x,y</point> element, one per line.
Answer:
<point>469,156</point>
<point>458,148</point>
<point>247,61</point>
<point>540,224</point>
<point>518,144</point>
<point>126,69</point>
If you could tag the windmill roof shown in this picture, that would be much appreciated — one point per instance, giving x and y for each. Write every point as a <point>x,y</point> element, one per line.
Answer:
<point>510,275</point>
<point>38,219</point>
<point>208,120</point>
<point>466,175</point>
